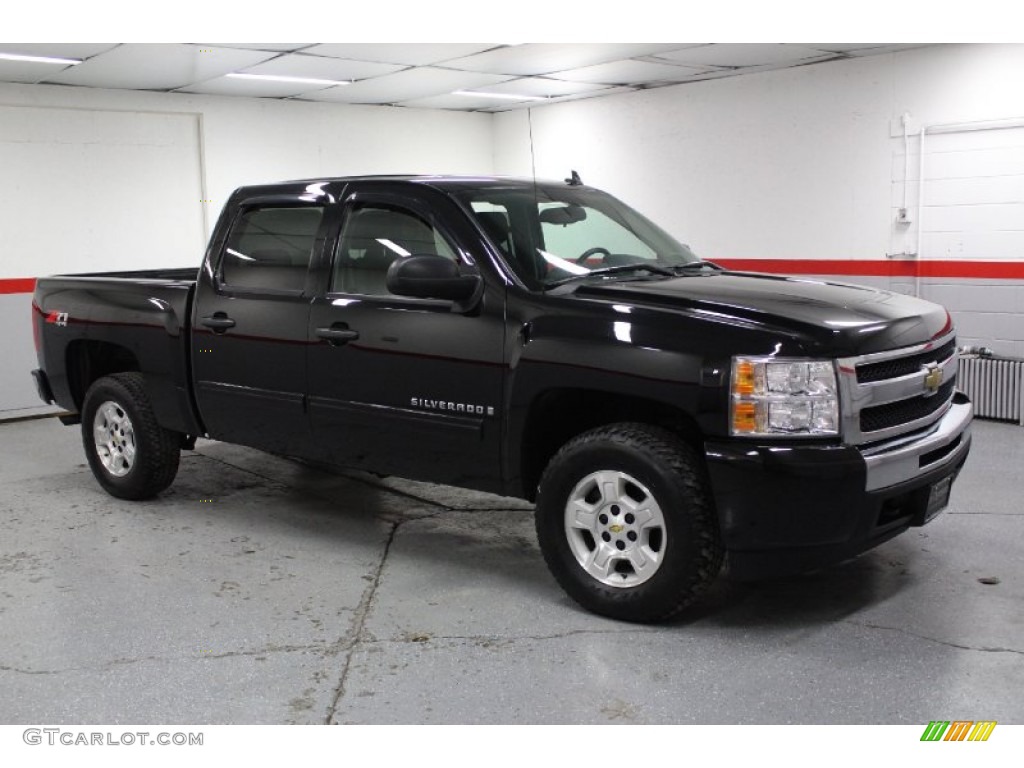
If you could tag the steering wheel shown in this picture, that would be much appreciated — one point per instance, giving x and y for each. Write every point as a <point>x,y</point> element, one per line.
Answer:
<point>592,252</point>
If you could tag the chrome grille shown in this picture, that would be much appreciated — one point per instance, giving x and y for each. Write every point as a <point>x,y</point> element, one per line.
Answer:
<point>895,414</point>
<point>887,394</point>
<point>903,366</point>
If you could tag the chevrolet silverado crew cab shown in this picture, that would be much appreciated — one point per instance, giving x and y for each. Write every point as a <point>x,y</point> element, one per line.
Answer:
<point>540,340</point>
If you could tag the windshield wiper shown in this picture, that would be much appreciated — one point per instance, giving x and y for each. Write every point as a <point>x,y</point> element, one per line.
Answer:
<point>697,265</point>
<point>653,268</point>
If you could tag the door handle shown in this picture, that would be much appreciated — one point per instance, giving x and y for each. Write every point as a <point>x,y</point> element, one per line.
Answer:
<point>219,322</point>
<point>337,334</point>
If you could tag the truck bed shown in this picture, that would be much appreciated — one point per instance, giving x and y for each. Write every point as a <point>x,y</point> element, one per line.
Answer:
<point>182,274</point>
<point>137,320</point>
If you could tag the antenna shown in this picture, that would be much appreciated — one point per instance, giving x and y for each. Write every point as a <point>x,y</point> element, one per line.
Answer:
<point>536,193</point>
<point>533,156</point>
<point>574,180</point>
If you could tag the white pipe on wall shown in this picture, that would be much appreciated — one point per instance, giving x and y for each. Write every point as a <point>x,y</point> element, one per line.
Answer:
<point>906,160</point>
<point>976,125</point>
<point>920,215</point>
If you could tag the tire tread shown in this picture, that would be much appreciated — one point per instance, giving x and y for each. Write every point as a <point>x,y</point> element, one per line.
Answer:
<point>159,449</point>
<point>687,469</point>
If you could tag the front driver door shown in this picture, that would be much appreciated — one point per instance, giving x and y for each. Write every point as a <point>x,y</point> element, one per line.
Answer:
<point>397,385</point>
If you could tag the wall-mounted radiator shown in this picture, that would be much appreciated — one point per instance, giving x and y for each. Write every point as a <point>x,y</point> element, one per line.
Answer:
<point>995,386</point>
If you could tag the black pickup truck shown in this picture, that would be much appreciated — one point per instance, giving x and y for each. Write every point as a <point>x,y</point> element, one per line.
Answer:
<point>540,340</point>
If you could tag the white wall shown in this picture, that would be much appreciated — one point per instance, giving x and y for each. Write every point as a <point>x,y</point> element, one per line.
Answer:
<point>248,141</point>
<point>774,165</point>
<point>90,189</point>
<point>807,164</point>
<point>96,180</point>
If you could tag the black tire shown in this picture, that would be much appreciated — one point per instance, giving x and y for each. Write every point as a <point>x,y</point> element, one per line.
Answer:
<point>645,461</point>
<point>140,458</point>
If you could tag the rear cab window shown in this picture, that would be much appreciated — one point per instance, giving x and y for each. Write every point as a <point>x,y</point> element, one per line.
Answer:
<point>269,248</point>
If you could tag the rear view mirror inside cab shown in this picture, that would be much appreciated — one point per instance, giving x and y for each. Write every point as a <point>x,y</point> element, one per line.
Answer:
<point>563,214</point>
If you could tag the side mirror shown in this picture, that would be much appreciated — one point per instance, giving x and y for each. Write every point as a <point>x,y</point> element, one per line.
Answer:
<point>430,277</point>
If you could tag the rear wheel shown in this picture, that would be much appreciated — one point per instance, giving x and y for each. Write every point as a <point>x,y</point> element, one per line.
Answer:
<point>130,454</point>
<point>626,523</point>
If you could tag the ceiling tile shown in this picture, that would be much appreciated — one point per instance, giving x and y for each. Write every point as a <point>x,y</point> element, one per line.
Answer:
<point>843,47</point>
<point>716,74</point>
<point>301,65</point>
<point>452,101</point>
<point>559,71</point>
<point>157,66</point>
<point>231,86</point>
<point>630,72</point>
<point>604,91</point>
<point>743,54</point>
<point>58,50</point>
<point>405,86</point>
<point>468,102</point>
<point>541,86</point>
<point>29,71</point>
<point>408,54</point>
<point>887,49</point>
<point>544,58</point>
<point>280,47</point>
<point>691,53</point>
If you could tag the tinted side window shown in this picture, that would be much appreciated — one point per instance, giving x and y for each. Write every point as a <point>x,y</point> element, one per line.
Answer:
<point>374,236</point>
<point>270,248</point>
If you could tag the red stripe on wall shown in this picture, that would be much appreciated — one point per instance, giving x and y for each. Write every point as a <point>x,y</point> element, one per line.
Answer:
<point>990,270</point>
<point>18,285</point>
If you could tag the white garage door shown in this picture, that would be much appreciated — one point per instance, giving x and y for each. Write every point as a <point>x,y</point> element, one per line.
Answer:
<point>88,190</point>
<point>974,196</point>
<point>974,219</point>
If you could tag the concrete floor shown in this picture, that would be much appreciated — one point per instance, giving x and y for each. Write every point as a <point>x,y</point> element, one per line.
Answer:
<point>257,590</point>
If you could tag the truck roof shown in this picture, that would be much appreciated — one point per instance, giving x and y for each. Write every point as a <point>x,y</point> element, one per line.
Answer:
<point>446,182</point>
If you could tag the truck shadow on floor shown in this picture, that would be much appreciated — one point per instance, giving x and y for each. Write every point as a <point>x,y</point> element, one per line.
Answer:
<point>819,597</point>
<point>281,505</point>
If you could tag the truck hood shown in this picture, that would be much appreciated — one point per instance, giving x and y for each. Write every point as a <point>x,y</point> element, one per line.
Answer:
<point>838,318</point>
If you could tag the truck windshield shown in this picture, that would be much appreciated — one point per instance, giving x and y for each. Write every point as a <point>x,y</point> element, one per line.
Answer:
<point>550,234</point>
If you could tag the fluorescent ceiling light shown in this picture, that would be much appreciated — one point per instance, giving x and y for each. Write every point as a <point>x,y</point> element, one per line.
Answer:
<point>38,59</point>
<point>508,96</point>
<point>284,79</point>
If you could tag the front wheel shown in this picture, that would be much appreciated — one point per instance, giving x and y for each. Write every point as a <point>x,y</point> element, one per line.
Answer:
<point>130,454</point>
<point>626,522</point>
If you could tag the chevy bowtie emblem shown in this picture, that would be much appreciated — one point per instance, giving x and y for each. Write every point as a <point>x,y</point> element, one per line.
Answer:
<point>932,378</point>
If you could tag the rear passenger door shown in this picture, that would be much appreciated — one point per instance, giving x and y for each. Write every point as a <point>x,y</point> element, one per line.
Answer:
<point>251,315</point>
<point>398,385</point>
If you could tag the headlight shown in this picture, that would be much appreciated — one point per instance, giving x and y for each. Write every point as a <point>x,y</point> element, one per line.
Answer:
<point>784,397</point>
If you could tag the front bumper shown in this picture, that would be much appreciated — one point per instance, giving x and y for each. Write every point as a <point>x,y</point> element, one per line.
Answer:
<point>790,508</point>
